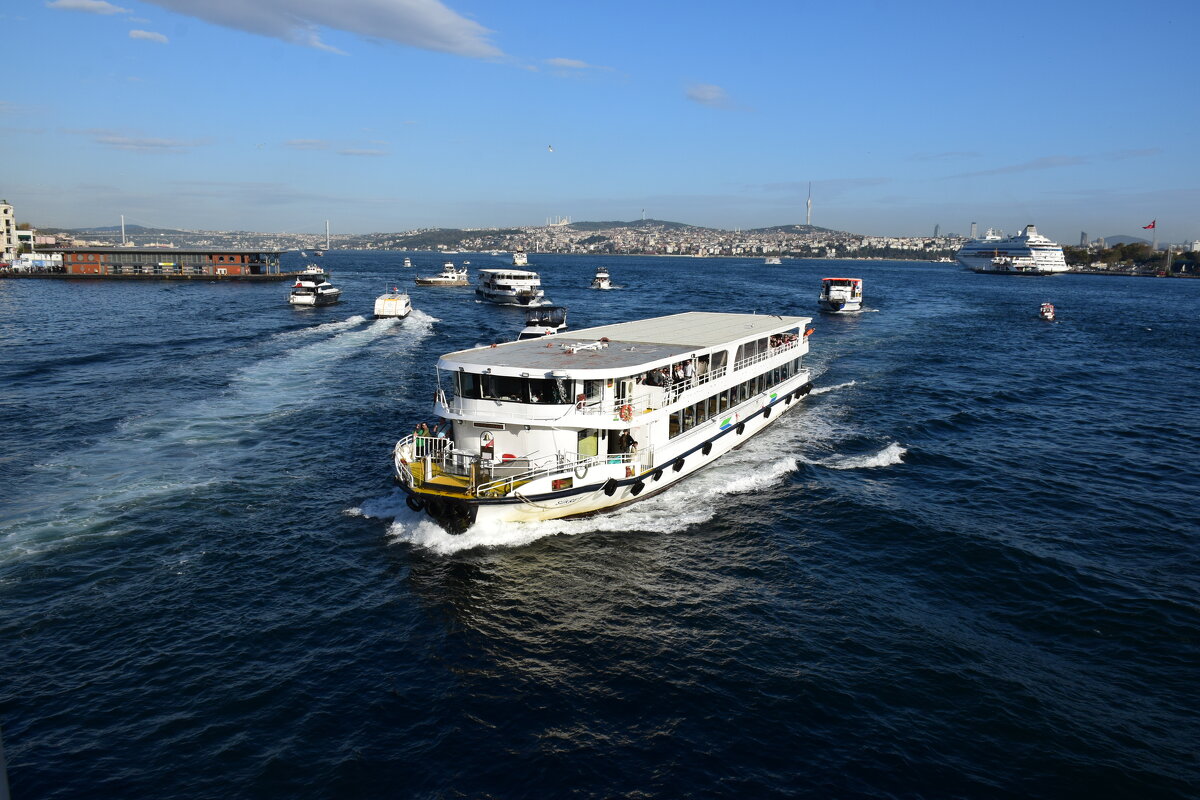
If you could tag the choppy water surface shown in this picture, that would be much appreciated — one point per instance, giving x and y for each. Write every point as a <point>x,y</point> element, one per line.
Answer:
<point>966,566</point>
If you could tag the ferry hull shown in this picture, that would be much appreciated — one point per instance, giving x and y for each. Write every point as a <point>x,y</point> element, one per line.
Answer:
<point>610,487</point>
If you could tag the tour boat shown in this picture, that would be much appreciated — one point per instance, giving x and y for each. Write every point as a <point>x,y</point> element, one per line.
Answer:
<point>841,295</point>
<point>449,276</point>
<point>602,280</point>
<point>393,303</point>
<point>511,287</point>
<point>773,261</point>
<point>543,321</point>
<point>519,259</point>
<point>585,422</point>
<point>1027,253</point>
<point>1046,311</point>
<point>312,288</point>
<point>407,262</point>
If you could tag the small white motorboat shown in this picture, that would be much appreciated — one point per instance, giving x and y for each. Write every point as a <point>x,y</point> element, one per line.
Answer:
<point>1046,311</point>
<point>393,304</point>
<point>841,295</point>
<point>602,280</point>
<point>773,261</point>
<point>312,288</point>
<point>407,262</point>
<point>449,276</point>
<point>543,321</point>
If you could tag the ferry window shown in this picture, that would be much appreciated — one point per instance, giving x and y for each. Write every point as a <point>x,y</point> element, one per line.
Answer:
<point>468,385</point>
<point>676,424</point>
<point>591,390</point>
<point>549,392</point>
<point>718,360</point>
<point>503,387</point>
<point>589,443</point>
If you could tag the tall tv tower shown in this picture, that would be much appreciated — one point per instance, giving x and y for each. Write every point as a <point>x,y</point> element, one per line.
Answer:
<point>808,219</point>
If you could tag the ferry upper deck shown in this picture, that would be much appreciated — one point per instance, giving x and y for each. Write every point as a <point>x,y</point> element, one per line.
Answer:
<point>609,349</point>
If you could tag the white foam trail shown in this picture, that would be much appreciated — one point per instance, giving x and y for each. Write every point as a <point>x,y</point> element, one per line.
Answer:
<point>892,454</point>
<point>178,450</point>
<point>326,327</point>
<point>834,388</point>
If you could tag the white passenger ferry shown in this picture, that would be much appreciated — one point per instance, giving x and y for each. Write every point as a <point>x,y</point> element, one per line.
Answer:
<point>580,423</point>
<point>1027,253</point>
<point>520,259</point>
<point>511,287</point>
<point>841,295</point>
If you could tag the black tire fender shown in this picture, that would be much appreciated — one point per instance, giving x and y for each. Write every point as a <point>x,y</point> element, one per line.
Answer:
<point>610,487</point>
<point>415,503</point>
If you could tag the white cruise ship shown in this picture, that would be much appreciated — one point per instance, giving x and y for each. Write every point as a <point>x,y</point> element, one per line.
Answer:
<point>1027,253</point>
<point>585,422</point>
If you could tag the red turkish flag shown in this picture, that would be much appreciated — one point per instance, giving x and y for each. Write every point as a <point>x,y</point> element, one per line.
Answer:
<point>1151,225</point>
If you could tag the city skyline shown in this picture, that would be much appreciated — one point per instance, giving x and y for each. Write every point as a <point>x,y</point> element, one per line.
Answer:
<point>388,115</point>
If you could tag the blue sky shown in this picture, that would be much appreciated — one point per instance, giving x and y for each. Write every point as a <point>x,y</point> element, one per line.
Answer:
<point>386,115</point>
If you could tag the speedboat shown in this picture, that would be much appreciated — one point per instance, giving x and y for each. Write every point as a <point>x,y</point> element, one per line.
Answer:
<point>449,276</point>
<point>543,321</point>
<point>511,287</point>
<point>591,421</point>
<point>393,304</point>
<point>602,280</point>
<point>1046,311</point>
<point>312,288</point>
<point>841,295</point>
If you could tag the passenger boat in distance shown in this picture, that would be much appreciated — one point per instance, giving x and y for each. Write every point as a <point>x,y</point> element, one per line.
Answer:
<point>773,261</point>
<point>602,280</point>
<point>393,304</point>
<point>407,262</point>
<point>511,287</point>
<point>1046,312</point>
<point>312,288</point>
<point>543,321</point>
<point>449,276</point>
<point>520,259</point>
<point>590,421</point>
<point>841,295</point>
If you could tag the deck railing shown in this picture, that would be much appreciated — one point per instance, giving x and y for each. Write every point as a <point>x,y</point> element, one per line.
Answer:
<point>770,352</point>
<point>491,478</point>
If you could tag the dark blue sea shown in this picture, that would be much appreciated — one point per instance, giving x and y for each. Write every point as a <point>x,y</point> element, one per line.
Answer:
<point>967,566</point>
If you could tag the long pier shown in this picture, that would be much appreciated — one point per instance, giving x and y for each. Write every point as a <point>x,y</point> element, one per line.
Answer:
<point>266,277</point>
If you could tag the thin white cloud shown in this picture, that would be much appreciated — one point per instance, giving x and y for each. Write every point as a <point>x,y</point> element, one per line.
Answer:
<point>89,6</point>
<point>139,144</point>
<point>307,144</point>
<point>426,24</point>
<point>707,94</point>
<point>568,63</point>
<point>149,36</point>
<point>362,152</point>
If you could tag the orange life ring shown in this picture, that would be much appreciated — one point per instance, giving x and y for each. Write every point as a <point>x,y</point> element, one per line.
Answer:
<point>626,413</point>
<point>580,400</point>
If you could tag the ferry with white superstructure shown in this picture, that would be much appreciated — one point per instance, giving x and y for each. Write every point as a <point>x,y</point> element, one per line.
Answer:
<point>543,321</point>
<point>449,276</point>
<point>520,259</point>
<point>841,295</point>
<point>511,287</point>
<point>1027,253</point>
<point>580,423</point>
<point>393,304</point>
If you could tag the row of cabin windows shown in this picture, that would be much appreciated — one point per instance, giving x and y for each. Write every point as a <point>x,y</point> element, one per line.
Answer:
<point>154,258</point>
<point>687,418</point>
<point>539,391</point>
<point>550,391</point>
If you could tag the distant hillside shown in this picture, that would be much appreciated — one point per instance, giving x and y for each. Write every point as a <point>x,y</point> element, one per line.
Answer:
<point>798,229</point>
<point>1111,240</point>
<point>637,223</point>
<point>130,230</point>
